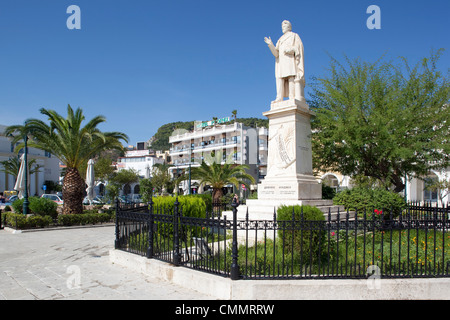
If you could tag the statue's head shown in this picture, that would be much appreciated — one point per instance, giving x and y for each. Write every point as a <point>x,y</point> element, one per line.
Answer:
<point>286,26</point>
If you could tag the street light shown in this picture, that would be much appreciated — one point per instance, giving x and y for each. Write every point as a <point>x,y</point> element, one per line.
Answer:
<point>189,185</point>
<point>26,203</point>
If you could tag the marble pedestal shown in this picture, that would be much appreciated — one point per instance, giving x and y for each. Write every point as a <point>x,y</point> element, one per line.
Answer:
<point>289,165</point>
<point>289,178</point>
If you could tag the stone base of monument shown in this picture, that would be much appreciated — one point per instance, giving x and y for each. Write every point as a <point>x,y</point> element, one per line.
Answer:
<point>264,209</point>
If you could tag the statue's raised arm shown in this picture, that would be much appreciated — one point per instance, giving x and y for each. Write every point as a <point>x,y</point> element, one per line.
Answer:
<point>271,46</point>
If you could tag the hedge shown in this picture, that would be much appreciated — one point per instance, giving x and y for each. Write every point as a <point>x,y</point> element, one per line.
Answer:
<point>21,221</point>
<point>83,219</point>
<point>367,200</point>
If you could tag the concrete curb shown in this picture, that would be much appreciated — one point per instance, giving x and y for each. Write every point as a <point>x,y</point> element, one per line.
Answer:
<point>329,289</point>
<point>17,231</point>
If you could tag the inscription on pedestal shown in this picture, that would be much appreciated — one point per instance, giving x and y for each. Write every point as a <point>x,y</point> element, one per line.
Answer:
<point>277,190</point>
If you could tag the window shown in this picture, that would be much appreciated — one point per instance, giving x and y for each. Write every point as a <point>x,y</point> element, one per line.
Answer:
<point>428,193</point>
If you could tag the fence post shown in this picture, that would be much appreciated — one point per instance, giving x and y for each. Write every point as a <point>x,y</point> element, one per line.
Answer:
<point>150,230</point>
<point>176,254</point>
<point>234,251</point>
<point>117,231</point>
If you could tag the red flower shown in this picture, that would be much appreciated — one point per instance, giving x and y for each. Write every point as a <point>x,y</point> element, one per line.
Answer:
<point>378,212</point>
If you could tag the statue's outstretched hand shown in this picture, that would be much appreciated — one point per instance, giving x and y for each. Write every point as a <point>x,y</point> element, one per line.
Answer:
<point>268,40</point>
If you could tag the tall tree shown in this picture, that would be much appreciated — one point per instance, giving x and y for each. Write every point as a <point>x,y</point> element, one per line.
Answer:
<point>382,120</point>
<point>73,144</point>
<point>234,114</point>
<point>161,179</point>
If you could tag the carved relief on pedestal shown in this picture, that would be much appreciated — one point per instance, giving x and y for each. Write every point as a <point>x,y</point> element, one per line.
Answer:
<point>282,150</point>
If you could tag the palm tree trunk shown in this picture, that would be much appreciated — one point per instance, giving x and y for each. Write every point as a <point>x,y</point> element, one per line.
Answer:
<point>73,188</point>
<point>217,195</point>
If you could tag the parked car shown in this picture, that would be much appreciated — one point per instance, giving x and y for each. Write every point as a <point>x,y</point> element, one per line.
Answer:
<point>124,200</point>
<point>53,197</point>
<point>96,200</point>
<point>12,199</point>
<point>136,198</point>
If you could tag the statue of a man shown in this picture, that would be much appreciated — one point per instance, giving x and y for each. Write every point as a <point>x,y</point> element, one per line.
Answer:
<point>289,64</point>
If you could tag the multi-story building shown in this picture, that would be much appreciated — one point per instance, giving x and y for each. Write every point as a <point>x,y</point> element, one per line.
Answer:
<point>234,142</point>
<point>49,171</point>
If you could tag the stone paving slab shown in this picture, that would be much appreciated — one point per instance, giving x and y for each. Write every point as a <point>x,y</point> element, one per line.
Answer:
<point>74,264</point>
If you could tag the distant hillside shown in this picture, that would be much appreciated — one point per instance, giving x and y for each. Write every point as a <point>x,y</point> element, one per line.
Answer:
<point>161,137</point>
<point>160,141</point>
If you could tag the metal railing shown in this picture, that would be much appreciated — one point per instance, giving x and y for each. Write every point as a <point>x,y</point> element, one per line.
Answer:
<point>351,246</point>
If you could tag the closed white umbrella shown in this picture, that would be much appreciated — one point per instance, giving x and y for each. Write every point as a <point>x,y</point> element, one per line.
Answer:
<point>20,181</point>
<point>90,180</point>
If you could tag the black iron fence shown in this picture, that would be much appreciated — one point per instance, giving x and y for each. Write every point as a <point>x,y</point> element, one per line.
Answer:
<point>350,245</point>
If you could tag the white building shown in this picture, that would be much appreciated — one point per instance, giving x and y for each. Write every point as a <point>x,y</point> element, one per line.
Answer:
<point>236,143</point>
<point>415,190</point>
<point>50,169</point>
<point>142,161</point>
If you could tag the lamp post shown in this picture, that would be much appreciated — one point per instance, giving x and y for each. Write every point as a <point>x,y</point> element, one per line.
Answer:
<point>26,203</point>
<point>190,176</point>
<point>189,185</point>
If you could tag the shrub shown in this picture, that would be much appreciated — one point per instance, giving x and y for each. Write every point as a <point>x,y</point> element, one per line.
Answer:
<point>368,200</point>
<point>189,206</point>
<point>43,207</point>
<point>328,192</point>
<point>302,231</point>
<point>38,206</point>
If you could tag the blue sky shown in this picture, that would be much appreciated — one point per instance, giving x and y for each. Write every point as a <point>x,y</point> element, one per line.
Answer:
<point>142,64</point>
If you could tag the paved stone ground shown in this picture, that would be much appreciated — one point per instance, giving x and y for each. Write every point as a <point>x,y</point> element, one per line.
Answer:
<point>73,264</point>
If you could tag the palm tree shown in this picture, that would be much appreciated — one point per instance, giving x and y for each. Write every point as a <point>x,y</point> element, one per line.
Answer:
<point>12,166</point>
<point>234,114</point>
<point>218,175</point>
<point>72,144</point>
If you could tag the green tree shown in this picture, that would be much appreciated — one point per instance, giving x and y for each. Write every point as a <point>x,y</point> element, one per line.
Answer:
<point>146,188</point>
<point>118,179</point>
<point>161,179</point>
<point>212,172</point>
<point>73,144</point>
<point>382,120</point>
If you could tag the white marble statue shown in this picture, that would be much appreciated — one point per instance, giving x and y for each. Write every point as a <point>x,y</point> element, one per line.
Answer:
<point>289,64</point>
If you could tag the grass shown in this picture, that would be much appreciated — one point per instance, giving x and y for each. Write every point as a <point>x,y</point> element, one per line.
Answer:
<point>403,253</point>
<point>400,253</point>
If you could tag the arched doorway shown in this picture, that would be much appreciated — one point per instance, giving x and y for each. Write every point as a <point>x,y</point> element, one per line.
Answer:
<point>331,180</point>
<point>126,189</point>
